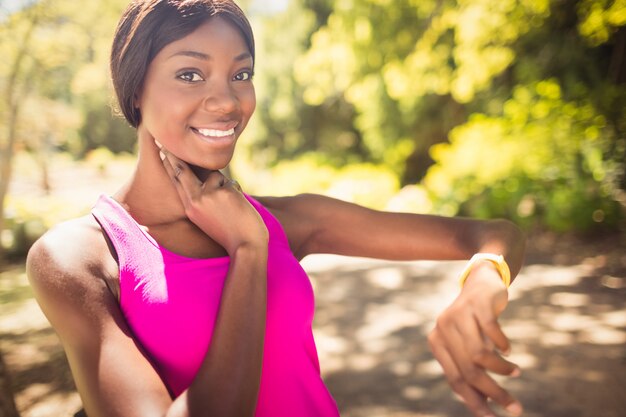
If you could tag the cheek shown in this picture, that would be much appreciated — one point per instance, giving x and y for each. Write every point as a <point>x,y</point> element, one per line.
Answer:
<point>248,103</point>
<point>149,107</point>
<point>162,111</point>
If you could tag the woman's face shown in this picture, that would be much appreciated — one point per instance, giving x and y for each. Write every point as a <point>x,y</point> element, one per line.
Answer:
<point>198,96</point>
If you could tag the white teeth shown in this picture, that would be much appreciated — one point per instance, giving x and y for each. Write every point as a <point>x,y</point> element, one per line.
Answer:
<point>216,133</point>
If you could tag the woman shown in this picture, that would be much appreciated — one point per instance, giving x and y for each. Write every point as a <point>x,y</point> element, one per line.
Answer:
<point>182,296</point>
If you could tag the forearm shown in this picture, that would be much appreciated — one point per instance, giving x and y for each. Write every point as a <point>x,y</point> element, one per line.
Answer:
<point>405,236</point>
<point>227,383</point>
<point>318,224</point>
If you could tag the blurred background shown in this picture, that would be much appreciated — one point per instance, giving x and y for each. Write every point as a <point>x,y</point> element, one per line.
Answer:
<point>481,108</point>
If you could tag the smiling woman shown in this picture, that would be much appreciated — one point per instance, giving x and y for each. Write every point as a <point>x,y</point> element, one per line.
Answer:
<point>197,97</point>
<point>180,295</point>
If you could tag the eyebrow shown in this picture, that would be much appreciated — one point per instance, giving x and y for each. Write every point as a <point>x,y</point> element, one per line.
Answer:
<point>206,57</point>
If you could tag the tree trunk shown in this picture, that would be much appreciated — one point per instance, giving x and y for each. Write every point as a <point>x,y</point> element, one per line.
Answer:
<point>7,403</point>
<point>6,165</point>
<point>12,102</point>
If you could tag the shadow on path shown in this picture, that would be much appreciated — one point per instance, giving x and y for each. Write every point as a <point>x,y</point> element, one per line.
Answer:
<point>567,324</point>
<point>566,320</point>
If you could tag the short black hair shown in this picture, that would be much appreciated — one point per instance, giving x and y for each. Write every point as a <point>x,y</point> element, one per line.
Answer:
<point>147,26</point>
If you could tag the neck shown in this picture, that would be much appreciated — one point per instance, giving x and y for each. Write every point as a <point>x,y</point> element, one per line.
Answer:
<point>150,196</point>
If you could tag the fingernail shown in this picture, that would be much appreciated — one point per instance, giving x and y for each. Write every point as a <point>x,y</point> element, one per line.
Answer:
<point>514,408</point>
<point>516,373</point>
<point>156,142</point>
<point>162,155</point>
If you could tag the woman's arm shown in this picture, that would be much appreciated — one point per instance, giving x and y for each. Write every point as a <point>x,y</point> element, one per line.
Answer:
<point>228,381</point>
<point>68,274</point>
<point>319,224</point>
<point>113,376</point>
<point>467,340</point>
<point>229,377</point>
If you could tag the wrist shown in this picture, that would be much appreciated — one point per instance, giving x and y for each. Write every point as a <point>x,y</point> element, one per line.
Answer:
<point>484,273</point>
<point>484,285</point>
<point>249,251</point>
<point>249,245</point>
<point>496,260</point>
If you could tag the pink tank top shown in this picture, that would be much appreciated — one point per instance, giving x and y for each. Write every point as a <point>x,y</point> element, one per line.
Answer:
<point>171,302</point>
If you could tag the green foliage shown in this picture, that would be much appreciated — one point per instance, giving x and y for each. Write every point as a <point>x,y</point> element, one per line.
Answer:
<point>525,98</point>
<point>543,158</point>
<point>399,63</point>
<point>63,79</point>
<point>362,183</point>
<point>599,20</point>
<point>482,107</point>
<point>285,124</point>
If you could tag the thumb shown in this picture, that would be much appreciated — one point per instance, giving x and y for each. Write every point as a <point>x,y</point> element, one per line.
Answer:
<point>499,302</point>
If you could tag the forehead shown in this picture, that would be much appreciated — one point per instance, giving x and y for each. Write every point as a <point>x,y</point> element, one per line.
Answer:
<point>218,34</point>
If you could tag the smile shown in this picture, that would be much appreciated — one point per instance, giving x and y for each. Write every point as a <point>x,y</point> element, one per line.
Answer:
<point>214,133</point>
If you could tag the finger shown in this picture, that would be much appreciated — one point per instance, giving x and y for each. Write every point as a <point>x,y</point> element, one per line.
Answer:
<point>215,180</point>
<point>474,400</point>
<point>463,351</point>
<point>183,195</point>
<point>181,173</point>
<point>233,184</point>
<point>218,180</point>
<point>481,349</point>
<point>495,363</point>
<point>490,327</point>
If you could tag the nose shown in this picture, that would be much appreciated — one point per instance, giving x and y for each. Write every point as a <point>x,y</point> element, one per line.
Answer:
<point>221,98</point>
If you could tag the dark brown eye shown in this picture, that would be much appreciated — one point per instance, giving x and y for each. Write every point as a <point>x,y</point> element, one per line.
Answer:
<point>190,76</point>
<point>244,76</point>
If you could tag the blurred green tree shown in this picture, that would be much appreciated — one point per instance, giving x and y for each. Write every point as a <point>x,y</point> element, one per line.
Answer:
<point>54,83</point>
<point>375,82</point>
<point>547,158</point>
<point>411,74</point>
<point>21,32</point>
<point>285,125</point>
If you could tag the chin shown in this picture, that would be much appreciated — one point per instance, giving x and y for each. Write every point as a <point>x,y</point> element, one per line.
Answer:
<point>204,168</point>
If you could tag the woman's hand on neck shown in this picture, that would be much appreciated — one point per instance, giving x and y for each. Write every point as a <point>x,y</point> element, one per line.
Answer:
<point>150,196</point>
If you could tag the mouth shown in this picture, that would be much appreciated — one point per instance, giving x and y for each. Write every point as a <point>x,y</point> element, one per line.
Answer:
<point>215,135</point>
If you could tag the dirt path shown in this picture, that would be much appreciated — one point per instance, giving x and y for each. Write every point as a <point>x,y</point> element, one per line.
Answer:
<point>566,318</point>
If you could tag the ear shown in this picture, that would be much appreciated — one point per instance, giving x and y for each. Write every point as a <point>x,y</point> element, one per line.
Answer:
<point>137,98</point>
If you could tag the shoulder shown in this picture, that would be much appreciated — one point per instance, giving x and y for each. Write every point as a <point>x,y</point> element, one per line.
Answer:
<point>72,246</point>
<point>68,268</point>
<point>311,208</point>
<point>301,204</point>
<point>300,209</point>
<point>292,214</point>
<point>307,217</point>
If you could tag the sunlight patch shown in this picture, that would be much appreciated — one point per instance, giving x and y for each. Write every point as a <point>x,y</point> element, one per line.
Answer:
<point>568,299</point>
<point>602,335</point>
<point>387,278</point>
